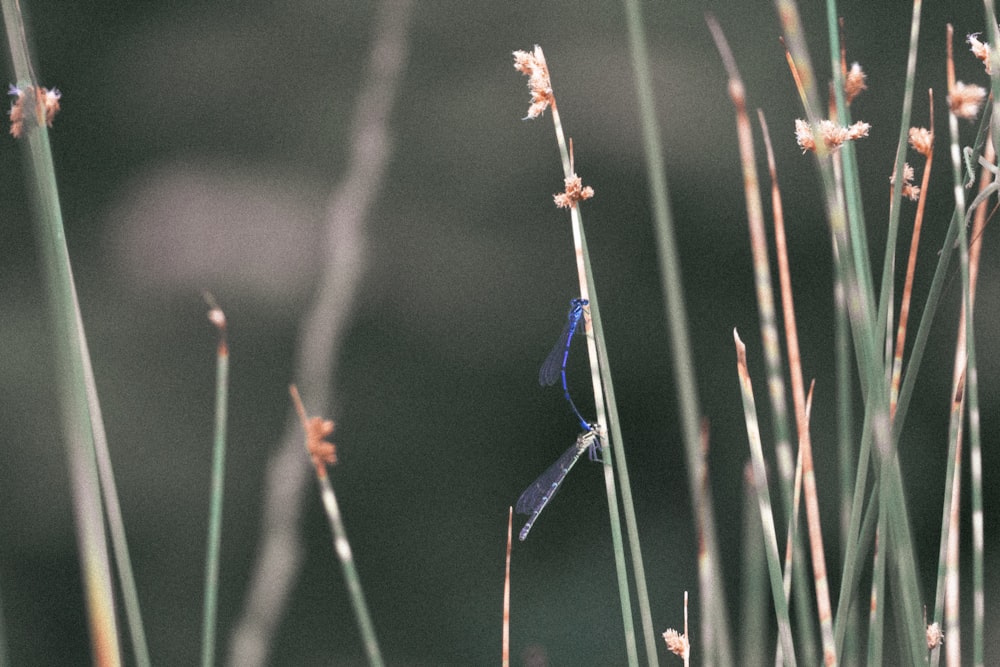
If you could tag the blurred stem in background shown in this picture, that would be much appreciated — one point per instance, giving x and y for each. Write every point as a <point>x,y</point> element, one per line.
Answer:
<point>323,330</point>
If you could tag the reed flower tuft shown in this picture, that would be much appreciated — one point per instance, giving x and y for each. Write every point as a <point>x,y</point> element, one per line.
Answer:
<point>676,643</point>
<point>533,65</point>
<point>46,106</point>
<point>574,192</point>
<point>935,637</point>
<point>910,191</point>
<point>922,140</point>
<point>965,100</point>
<point>854,83</point>
<point>979,49</point>
<point>833,135</point>
<point>320,449</point>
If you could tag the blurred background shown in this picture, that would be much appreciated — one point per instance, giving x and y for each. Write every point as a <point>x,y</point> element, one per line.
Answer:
<point>197,147</point>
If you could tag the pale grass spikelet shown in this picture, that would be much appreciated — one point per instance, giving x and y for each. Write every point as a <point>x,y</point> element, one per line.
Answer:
<point>833,135</point>
<point>965,100</point>
<point>574,192</point>
<point>922,140</point>
<point>676,643</point>
<point>910,191</point>
<point>533,65</point>
<point>854,83</point>
<point>46,107</point>
<point>934,636</point>
<point>979,49</point>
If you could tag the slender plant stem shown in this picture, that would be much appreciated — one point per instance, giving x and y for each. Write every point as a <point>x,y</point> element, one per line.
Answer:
<point>614,445</point>
<point>505,642</point>
<point>341,545</point>
<point>764,504</point>
<point>344,247</point>
<point>712,599</point>
<point>208,629</point>
<point>70,348</point>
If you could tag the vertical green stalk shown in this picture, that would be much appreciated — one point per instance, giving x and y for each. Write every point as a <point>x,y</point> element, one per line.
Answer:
<point>343,549</point>
<point>603,388</point>
<point>846,453</point>
<point>218,477</point>
<point>68,337</point>
<point>753,570</point>
<point>324,453</point>
<point>713,603</point>
<point>975,448</point>
<point>764,503</point>
<point>867,337</point>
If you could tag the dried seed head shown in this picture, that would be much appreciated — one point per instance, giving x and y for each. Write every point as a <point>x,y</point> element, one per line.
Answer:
<point>833,135</point>
<point>46,106</point>
<point>979,49</point>
<point>934,636</point>
<point>573,193</point>
<point>533,65</point>
<point>855,82</point>
<point>321,451</point>
<point>676,643</point>
<point>910,191</point>
<point>922,141</point>
<point>965,100</point>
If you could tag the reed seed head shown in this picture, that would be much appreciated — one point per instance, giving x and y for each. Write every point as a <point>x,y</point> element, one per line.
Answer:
<point>574,192</point>
<point>922,140</point>
<point>46,106</point>
<point>979,49</point>
<point>676,643</point>
<point>533,65</point>
<point>832,135</point>
<point>322,451</point>
<point>910,191</point>
<point>934,636</point>
<point>855,82</point>
<point>965,100</point>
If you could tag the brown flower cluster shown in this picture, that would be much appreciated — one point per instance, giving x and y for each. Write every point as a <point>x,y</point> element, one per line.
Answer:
<point>832,135</point>
<point>965,100</point>
<point>676,642</point>
<point>979,49</point>
<point>935,637</point>
<point>910,191</point>
<point>854,83</point>
<point>320,449</point>
<point>922,141</point>
<point>46,105</point>
<point>533,65</point>
<point>573,193</point>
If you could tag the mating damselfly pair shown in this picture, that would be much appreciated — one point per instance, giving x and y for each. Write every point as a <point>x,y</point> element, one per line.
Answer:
<point>537,496</point>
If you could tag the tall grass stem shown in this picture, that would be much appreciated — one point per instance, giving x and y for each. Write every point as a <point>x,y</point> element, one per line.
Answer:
<point>712,598</point>
<point>210,606</point>
<point>343,260</point>
<point>78,421</point>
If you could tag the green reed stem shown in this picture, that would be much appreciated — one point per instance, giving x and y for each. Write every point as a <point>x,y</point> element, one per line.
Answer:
<point>764,505</point>
<point>607,415</point>
<point>714,608</point>
<point>70,350</point>
<point>210,606</point>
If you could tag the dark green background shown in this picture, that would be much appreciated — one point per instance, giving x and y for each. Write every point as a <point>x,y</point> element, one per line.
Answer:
<point>196,148</point>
